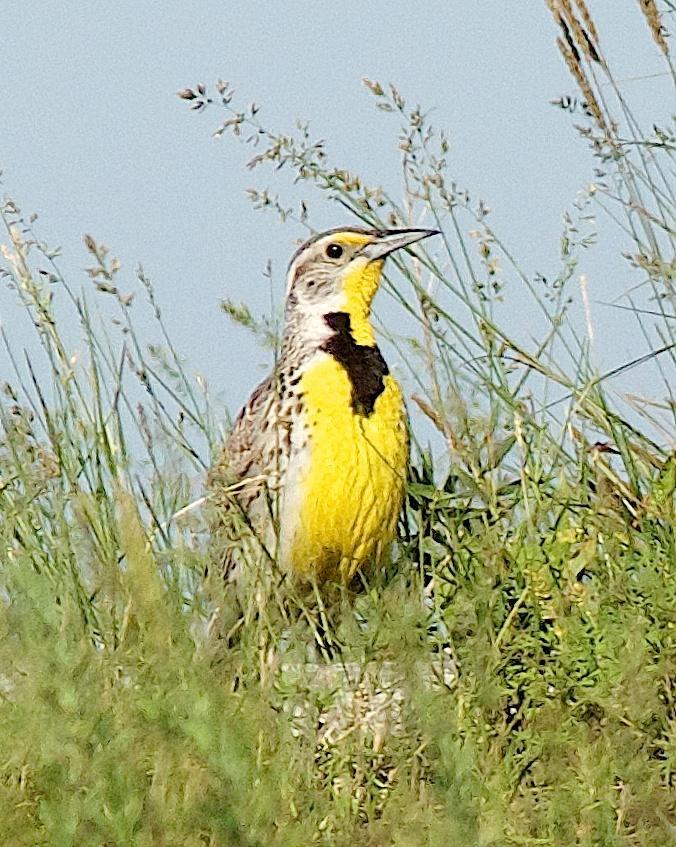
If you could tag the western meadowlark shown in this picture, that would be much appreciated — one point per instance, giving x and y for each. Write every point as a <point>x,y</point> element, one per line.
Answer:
<point>316,462</point>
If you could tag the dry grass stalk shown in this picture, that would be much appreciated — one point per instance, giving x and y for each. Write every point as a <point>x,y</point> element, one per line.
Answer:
<point>587,20</point>
<point>581,37</point>
<point>438,421</point>
<point>554,8</point>
<point>571,59</point>
<point>654,19</point>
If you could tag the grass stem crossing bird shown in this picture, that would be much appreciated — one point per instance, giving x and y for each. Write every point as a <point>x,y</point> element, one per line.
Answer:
<point>316,462</point>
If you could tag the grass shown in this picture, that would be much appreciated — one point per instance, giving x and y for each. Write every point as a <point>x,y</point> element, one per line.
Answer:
<point>509,680</point>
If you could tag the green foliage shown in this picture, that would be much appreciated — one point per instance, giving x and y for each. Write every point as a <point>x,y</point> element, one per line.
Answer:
<point>510,680</point>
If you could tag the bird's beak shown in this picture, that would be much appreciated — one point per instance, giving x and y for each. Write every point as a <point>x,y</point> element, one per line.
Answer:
<point>394,239</point>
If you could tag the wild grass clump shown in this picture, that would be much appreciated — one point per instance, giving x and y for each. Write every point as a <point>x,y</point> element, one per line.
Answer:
<point>510,678</point>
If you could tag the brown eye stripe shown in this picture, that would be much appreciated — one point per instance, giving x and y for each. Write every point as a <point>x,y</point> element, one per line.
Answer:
<point>301,269</point>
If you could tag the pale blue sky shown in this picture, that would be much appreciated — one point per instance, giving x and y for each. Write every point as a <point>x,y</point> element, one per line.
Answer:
<point>94,139</point>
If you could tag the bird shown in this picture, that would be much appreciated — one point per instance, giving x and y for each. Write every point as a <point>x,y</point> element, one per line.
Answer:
<point>316,463</point>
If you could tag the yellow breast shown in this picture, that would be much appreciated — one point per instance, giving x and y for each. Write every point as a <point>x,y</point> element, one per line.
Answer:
<point>349,485</point>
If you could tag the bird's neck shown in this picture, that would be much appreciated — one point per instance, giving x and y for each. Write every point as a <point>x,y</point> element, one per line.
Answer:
<point>308,329</point>
<point>359,289</point>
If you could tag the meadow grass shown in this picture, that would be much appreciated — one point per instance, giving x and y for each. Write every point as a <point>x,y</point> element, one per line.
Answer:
<point>510,678</point>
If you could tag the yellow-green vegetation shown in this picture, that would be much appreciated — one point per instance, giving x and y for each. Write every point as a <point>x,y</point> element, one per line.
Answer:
<point>510,678</point>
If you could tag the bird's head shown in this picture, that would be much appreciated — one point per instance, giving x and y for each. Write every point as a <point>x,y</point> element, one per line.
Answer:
<point>339,271</point>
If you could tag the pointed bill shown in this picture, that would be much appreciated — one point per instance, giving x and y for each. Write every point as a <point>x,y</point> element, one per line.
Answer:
<point>395,239</point>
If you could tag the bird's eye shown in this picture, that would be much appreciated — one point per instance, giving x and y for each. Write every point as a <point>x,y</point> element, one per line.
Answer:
<point>334,251</point>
